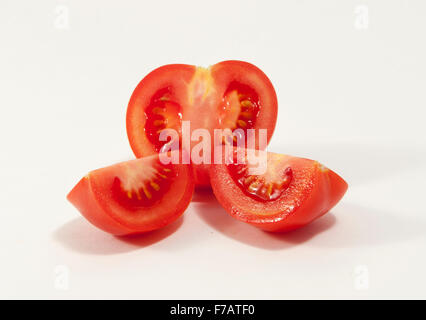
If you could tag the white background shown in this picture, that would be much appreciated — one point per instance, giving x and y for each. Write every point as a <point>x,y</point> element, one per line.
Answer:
<point>351,95</point>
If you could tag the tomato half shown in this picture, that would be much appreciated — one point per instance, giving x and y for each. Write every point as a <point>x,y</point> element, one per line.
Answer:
<point>135,196</point>
<point>291,193</point>
<point>228,95</point>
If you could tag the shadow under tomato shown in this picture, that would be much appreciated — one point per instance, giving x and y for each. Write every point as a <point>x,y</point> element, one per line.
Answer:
<point>360,226</point>
<point>359,163</point>
<point>80,236</point>
<point>203,195</point>
<point>356,226</point>
<point>215,216</point>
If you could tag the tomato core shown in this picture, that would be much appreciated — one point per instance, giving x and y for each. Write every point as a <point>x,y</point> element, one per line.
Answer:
<point>143,189</point>
<point>234,97</point>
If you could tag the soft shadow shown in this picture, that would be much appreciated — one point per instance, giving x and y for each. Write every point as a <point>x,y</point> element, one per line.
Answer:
<point>203,195</point>
<point>358,226</point>
<point>216,217</point>
<point>355,226</point>
<point>80,236</point>
<point>359,163</point>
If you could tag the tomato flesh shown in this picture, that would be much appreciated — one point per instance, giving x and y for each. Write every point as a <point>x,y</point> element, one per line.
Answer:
<point>301,190</point>
<point>240,107</point>
<point>261,187</point>
<point>145,191</point>
<point>134,196</point>
<point>228,95</point>
<point>162,114</point>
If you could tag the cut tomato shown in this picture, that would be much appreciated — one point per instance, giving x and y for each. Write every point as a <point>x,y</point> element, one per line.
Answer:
<point>228,95</point>
<point>289,194</point>
<point>134,196</point>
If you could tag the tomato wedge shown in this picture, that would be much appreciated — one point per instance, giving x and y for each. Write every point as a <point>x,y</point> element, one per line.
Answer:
<point>289,194</point>
<point>228,95</point>
<point>135,196</point>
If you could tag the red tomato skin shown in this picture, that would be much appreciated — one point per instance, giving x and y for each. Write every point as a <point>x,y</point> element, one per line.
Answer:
<point>178,76</point>
<point>161,77</point>
<point>256,78</point>
<point>83,198</point>
<point>91,205</point>
<point>325,191</point>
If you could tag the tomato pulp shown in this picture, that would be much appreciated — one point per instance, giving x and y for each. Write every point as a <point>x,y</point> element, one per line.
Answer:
<point>135,196</point>
<point>289,194</point>
<point>228,95</point>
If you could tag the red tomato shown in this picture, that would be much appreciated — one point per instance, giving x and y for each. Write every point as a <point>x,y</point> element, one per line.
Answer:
<point>228,95</point>
<point>134,196</point>
<point>291,193</point>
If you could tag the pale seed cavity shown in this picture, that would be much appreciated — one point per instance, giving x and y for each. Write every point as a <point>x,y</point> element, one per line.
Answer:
<point>249,179</point>
<point>256,185</point>
<point>150,187</point>
<point>159,123</point>
<point>247,113</point>
<point>162,176</point>
<point>246,104</point>
<point>154,185</point>
<point>147,193</point>
<point>259,186</point>
<point>157,110</point>
<point>241,123</point>
<point>242,170</point>
<point>162,114</point>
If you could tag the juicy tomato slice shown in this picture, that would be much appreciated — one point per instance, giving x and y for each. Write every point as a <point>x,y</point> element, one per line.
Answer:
<point>135,196</point>
<point>289,194</point>
<point>228,95</point>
